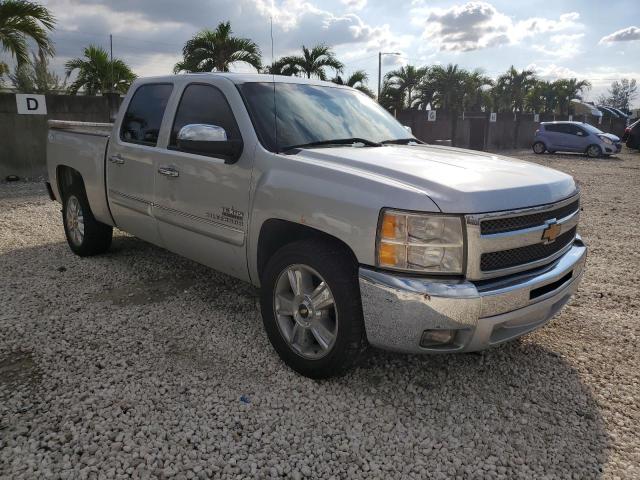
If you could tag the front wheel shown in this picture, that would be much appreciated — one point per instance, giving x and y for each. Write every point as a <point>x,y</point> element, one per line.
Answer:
<point>539,147</point>
<point>594,151</point>
<point>311,310</point>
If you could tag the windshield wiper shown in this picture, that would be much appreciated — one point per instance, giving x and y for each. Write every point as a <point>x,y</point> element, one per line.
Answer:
<point>400,141</point>
<point>337,141</point>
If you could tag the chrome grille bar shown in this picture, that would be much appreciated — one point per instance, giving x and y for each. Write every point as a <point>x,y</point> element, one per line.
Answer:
<point>531,235</point>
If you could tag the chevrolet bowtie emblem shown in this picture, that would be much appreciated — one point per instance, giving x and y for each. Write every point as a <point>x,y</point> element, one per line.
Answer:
<point>551,232</point>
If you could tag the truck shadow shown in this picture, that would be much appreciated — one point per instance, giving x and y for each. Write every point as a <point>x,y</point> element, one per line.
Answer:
<point>521,398</point>
<point>520,407</point>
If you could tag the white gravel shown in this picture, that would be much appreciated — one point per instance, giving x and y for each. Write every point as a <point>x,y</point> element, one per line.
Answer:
<point>142,364</point>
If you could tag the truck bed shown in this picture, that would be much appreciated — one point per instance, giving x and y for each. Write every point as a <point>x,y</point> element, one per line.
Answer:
<point>81,146</point>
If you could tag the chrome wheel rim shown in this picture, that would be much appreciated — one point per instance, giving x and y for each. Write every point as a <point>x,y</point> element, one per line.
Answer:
<point>75,220</point>
<point>305,311</point>
<point>538,148</point>
<point>593,151</point>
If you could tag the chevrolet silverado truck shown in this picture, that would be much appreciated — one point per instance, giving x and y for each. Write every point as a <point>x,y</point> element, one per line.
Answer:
<point>356,233</point>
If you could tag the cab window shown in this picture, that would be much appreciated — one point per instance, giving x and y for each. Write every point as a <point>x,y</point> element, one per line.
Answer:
<point>142,120</point>
<point>204,104</point>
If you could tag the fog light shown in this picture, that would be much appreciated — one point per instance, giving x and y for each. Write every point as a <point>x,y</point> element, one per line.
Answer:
<point>436,338</point>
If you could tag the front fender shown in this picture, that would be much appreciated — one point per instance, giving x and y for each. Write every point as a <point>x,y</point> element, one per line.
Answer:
<point>342,202</point>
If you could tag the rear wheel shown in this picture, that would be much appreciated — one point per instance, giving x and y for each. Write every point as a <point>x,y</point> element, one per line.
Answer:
<point>86,236</point>
<point>594,151</point>
<point>539,147</point>
<point>310,302</point>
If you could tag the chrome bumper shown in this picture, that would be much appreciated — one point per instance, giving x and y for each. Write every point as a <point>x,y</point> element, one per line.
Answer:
<point>398,309</point>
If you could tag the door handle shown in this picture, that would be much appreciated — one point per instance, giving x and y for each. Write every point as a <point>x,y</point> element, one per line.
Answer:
<point>117,159</point>
<point>168,171</point>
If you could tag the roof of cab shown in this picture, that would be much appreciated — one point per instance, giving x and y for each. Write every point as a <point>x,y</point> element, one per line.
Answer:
<point>245,78</point>
<point>559,122</point>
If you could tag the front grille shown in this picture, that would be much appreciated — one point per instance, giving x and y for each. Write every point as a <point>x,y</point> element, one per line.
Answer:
<point>510,224</point>
<point>523,255</point>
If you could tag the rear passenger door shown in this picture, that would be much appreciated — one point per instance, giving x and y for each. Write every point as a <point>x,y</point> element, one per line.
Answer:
<point>202,205</point>
<point>552,136</point>
<point>130,167</point>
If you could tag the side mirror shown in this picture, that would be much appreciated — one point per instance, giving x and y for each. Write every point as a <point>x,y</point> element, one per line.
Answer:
<point>408,128</point>
<point>210,140</point>
<point>580,134</point>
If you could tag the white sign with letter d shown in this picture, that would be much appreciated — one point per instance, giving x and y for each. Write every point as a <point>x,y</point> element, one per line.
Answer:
<point>29,104</point>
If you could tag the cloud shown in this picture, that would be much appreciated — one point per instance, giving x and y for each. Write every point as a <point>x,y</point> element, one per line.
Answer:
<point>562,46</point>
<point>628,34</point>
<point>479,25</point>
<point>354,5</point>
<point>150,34</point>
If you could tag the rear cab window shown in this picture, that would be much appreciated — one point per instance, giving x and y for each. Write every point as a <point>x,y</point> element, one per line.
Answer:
<point>142,120</point>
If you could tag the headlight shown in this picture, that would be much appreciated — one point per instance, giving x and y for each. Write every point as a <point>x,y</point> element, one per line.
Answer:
<point>417,242</point>
<point>606,140</point>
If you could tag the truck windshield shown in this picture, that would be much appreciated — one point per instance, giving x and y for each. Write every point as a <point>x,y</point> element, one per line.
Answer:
<point>312,114</point>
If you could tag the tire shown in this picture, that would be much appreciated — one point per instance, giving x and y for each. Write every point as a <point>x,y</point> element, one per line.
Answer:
<point>539,148</point>
<point>86,236</point>
<point>594,151</point>
<point>294,331</point>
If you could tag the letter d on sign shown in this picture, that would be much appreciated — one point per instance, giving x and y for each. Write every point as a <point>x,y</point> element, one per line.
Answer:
<point>29,104</point>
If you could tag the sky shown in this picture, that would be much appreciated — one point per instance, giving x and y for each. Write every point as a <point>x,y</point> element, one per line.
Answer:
<point>588,39</point>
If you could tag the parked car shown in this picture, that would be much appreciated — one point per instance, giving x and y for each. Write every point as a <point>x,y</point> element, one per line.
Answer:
<point>356,232</point>
<point>607,112</point>
<point>574,137</point>
<point>631,135</point>
<point>620,113</point>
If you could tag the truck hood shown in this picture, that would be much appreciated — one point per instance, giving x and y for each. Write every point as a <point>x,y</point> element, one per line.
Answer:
<point>457,180</point>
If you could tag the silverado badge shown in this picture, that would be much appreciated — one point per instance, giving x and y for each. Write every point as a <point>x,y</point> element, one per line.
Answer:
<point>551,232</point>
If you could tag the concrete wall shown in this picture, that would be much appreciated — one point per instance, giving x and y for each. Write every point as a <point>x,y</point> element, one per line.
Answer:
<point>498,135</point>
<point>23,137</point>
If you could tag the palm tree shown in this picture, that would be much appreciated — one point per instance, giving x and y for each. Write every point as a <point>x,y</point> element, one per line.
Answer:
<point>98,74</point>
<point>391,98</point>
<point>283,66</point>
<point>568,89</point>
<point>216,50</point>
<point>476,95</point>
<point>311,63</point>
<point>407,79</point>
<point>36,77</point>
<point>512,90</point>
<point>450,84</point>
<point>513,87</point>
<point>21,21</point>
<point>357,80</point>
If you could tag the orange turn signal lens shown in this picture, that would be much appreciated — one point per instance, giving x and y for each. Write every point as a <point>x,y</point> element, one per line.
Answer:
<point>393,227</point>
<point>389,226</point>
<point>391,254</point>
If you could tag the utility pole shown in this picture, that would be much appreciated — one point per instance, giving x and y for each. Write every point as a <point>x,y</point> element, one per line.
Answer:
<point>380,54</point>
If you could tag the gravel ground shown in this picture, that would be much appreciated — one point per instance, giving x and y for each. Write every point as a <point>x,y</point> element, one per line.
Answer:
<point>140,363</point>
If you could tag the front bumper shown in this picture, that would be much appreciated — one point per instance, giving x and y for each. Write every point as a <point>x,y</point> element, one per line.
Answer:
<point>609,149</point>
<point>398,309</point>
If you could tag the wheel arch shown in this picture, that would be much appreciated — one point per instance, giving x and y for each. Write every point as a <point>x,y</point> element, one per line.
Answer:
<point>67,176</point>
<point>586,151</point>
<point>275,233</point>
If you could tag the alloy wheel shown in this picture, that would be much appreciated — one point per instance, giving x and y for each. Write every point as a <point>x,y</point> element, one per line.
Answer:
<point>305,311</point>
<point>75,220</point>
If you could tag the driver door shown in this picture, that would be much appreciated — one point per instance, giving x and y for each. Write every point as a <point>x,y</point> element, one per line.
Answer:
<point>201,202</point>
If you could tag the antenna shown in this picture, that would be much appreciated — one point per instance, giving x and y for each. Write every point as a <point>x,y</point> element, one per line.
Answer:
<point>273,77</point>
<point>111,57</point>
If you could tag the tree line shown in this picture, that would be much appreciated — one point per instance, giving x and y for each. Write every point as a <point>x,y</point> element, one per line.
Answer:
<point>450,88</point>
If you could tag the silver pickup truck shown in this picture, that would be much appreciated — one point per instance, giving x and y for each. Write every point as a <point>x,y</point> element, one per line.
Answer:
<point>356,232</point>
